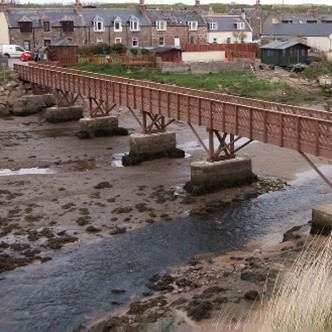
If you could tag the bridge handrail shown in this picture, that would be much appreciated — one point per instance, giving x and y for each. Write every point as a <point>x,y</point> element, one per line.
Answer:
<point>215,95</point>
<point>299,132</point>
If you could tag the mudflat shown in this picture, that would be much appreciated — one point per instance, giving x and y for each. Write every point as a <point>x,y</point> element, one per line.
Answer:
<point>58,190</point>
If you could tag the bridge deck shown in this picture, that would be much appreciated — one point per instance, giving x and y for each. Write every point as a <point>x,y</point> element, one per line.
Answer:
<point>302,129</point>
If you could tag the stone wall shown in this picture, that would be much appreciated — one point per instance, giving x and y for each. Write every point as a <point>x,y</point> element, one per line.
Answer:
<point>202,67</point>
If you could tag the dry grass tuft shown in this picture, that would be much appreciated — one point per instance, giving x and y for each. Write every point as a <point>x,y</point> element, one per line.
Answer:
<point>303,301</point>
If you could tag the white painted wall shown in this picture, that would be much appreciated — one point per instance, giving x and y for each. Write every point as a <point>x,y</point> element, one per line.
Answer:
<point>4,34</point>
<point>203,56</point>
<point>221,37</point>
<point>323,44</point>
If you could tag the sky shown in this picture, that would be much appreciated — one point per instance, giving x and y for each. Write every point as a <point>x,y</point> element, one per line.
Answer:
<point>189,2</point>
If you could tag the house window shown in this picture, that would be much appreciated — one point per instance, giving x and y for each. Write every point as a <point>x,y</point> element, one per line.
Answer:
<point>46,26</point>
<point>213,26</point>
<point>26,27</point>
<point>269,53</point>
<point>26,45</point>
<point>240,25</point>
<point>215,41</point>
<point>161,41</point>
<point>117,40</point>
<point>98,24</point>
<point>134,24</point>
<point>193,25</point>
<point>99,40</point>
<point>117,25</point>
<point>134,42</point>
<point>192,40</point>
<point>161,25</point>
<point>228,40</point>
<point>47,42</point>
<point>67,26</point>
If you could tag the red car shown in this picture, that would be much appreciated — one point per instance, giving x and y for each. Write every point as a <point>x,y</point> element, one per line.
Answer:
<point>26,56</point>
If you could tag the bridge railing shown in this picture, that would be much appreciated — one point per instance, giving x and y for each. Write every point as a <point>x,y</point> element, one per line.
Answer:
<point>297,128</point>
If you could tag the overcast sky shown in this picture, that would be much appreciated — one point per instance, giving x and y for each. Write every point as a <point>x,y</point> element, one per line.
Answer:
<point>189,2</point>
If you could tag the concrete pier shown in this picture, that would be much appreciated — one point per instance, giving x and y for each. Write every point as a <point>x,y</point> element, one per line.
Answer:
<point>213,176</point>
<point>151,146</point>
<point>100,126</point>
<point>322,220</point>
<point>63,114</point>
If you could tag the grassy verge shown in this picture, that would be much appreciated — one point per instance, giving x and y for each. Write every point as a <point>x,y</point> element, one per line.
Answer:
<point>244,84</point>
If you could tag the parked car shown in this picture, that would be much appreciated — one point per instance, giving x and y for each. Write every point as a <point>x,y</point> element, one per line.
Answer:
<point>26,56</point>
<point>11,51</point>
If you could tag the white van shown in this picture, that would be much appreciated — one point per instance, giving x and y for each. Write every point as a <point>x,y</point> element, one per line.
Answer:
<point>11,51</point>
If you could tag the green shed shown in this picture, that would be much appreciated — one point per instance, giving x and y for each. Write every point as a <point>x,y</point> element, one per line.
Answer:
<point>285,53</point>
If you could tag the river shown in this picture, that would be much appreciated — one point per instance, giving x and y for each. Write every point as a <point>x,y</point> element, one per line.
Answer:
<point>76,286</point>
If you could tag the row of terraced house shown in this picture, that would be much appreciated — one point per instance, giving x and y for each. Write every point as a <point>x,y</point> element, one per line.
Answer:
<point>137,27</point>
<point>152,27</point>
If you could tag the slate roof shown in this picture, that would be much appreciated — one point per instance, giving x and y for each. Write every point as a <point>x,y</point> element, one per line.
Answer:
<point>109,15</point>
<point>237,11</point>
<point>226,22</point>
<point>175,17</point>
<point>34,15</point>
<point>277,45</point>
<point>308,30</point>
<point>326,18</point>
<point>297,18</point>
<point>304,18</point>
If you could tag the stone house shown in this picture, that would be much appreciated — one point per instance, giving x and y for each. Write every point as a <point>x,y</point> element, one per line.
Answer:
<point>114,26</point>
<point>34,28</point>
<point>138,27</point>
<point>255,17</point>
<point>177,27</point>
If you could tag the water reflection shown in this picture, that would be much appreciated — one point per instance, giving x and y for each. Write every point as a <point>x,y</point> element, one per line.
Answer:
<point>27,171</point>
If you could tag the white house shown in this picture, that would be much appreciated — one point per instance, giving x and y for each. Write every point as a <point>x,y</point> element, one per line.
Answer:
<point>318,35</point>
<point>228,29</point>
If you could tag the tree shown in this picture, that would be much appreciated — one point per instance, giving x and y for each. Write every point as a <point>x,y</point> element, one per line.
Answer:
<point>239,36</point>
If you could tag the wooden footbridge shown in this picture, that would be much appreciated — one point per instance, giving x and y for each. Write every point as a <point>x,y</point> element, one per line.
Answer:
<point>227,118</point>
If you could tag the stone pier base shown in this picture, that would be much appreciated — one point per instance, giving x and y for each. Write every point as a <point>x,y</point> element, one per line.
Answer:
<point>63,114</point>
<point>100,126</point>
<point>322,220</point>
<point>213,176</point>
<point>151,146</point>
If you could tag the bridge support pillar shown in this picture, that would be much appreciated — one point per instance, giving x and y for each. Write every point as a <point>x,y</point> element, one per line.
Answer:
<point>151,146</point>
<point>100,126</point>
<point>207,176</point>
<point>63,114</point>
<point>322,220</point>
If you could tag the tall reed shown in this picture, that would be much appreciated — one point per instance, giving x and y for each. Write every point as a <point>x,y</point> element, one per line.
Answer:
<point>304,299</point>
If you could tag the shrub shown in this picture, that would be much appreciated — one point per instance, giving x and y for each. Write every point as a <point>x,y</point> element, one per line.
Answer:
<point>145,51</point>
<point>317,69</point>
<point>134,51</point>
<point>118,48</point>
<point>100,48</point>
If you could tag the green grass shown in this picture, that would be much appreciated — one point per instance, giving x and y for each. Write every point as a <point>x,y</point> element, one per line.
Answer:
<point>237,83</point>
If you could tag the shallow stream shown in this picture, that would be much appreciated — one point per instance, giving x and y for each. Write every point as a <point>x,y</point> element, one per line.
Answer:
<point>75,287</point>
